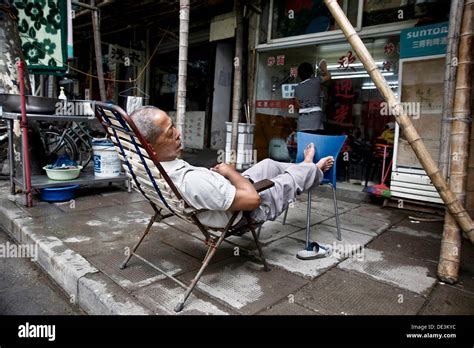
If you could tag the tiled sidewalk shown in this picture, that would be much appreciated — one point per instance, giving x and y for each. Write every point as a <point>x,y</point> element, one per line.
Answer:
<point>385,264</point>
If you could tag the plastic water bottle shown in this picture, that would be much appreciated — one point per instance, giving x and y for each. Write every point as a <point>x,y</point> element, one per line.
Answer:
<point>63,98</point>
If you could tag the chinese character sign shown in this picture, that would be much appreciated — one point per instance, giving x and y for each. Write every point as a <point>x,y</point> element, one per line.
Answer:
<point>346,61</point>
<point>344,89</point>
<point>126,56</point>
<point>344,98</point>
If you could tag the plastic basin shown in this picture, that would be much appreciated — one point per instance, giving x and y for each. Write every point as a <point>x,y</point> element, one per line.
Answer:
<point>62,174</point>
<point>58,194</point>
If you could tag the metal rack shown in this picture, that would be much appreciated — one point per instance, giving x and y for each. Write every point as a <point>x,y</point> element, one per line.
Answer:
<point>42,181</point>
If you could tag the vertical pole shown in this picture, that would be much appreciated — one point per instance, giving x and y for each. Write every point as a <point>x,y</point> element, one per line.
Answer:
<point>147,69</point>
<point>41,86</point>
<point>24,136</point>
<point>51,84</point>
<point>237,87</point>
<point>308,219</point>
<point>98,51</point>
<point>183,64</point>
<point>11,156</point>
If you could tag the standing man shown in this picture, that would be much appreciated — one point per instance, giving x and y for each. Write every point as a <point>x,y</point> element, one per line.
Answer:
<point>308,97</point>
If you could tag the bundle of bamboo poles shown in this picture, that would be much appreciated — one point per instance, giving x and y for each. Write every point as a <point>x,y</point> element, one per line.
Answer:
<point>453,205</point>
<point>449,261</point>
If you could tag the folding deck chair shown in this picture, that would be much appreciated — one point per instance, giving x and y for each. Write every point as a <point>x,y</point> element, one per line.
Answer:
<point>151,180</point>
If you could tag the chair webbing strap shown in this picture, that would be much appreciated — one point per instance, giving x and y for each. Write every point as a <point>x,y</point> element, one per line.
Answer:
<point>124,155</point>
<point>137,148</point>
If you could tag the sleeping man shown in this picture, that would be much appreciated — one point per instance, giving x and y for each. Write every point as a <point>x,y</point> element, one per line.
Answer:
<point>222,190</point>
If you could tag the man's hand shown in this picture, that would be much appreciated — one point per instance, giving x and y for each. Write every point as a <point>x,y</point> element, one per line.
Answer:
<point>224,169</point>
<point>246,197</point>
<point>323,65</point>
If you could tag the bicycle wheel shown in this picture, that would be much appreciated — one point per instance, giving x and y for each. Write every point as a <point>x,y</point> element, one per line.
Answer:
<point>84,149</point>
<point>56,144</point>
<point>81,134</point>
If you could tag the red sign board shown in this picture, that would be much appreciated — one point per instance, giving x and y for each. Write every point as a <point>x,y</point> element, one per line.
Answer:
<point>274,104</point>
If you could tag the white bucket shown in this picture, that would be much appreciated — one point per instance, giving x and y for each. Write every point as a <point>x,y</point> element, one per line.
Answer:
<point>106,160</point>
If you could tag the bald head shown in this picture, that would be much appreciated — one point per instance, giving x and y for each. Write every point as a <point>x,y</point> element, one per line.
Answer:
<point>159,130</point>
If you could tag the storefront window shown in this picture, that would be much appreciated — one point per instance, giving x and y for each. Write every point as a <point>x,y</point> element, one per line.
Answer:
<point>394,11</point>
<point>350,102</point>
<point>350,99</point>
<point>300,17</point>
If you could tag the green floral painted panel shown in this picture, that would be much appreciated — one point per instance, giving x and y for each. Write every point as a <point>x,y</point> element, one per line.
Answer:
<point>43,31</point>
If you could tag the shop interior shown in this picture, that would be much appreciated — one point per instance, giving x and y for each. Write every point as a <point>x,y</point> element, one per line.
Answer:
<point>350,101</point>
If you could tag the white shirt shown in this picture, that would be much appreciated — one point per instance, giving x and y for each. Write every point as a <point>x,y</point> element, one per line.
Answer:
<point>202,188</point>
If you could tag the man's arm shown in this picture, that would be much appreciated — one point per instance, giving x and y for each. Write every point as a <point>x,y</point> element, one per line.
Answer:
<point>246,197</point>
<point>297,103</point>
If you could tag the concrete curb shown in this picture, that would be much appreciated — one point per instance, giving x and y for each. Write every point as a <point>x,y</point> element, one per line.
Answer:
<point>86,286</point>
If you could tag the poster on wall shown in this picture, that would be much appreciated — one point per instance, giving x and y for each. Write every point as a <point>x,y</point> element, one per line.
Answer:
<point>422,98</point>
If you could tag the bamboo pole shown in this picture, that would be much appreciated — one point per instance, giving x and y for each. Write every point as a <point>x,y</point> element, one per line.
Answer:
<point>452,203</point>
<point>237,87</point>
<point>449,260</point>
<point>455,16</point>
<point>183,63</point>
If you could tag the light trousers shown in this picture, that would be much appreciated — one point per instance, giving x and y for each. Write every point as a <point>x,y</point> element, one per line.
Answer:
<point>290,180</point>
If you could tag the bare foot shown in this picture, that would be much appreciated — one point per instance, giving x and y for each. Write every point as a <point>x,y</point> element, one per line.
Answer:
<point>309,153</point>
<point>325,163</point>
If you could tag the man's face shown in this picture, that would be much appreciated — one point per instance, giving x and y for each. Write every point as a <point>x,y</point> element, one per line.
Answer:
<point>168,146</point>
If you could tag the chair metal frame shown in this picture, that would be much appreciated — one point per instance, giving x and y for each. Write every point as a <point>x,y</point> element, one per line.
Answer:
<point>151,180</point>
<point>329,178</point>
